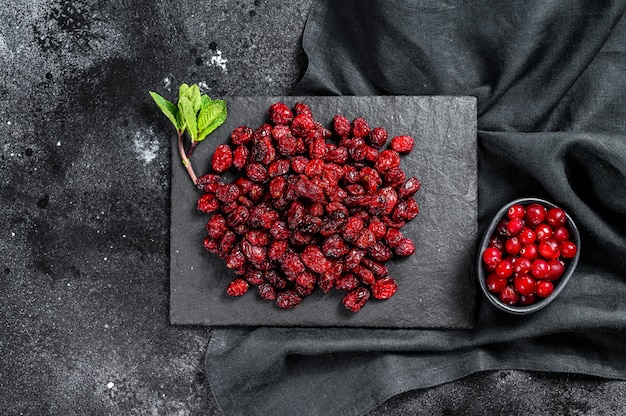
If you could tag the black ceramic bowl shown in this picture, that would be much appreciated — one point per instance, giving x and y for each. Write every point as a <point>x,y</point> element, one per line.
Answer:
<point>570,264</point>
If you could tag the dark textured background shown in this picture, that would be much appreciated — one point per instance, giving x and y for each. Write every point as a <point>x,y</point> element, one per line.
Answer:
<point>84,191</point>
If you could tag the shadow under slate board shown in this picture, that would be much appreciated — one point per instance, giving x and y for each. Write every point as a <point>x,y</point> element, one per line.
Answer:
<point>436,284</point>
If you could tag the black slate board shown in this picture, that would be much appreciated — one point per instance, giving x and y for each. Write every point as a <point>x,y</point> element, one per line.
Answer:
<point>436,285</point>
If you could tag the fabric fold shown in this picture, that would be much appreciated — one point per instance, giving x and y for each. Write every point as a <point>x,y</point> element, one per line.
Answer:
<point>549,79</point>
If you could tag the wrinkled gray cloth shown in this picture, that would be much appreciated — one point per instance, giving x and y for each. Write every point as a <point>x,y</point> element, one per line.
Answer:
<point>550,81</point>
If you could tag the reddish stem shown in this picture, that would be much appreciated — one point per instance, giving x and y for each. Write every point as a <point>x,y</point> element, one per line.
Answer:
<point>192,148</point>
<point>185,159</point>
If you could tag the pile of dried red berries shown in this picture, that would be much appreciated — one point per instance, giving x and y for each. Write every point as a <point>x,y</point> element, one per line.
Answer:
<point>527,253</point>
<point>310,208</point>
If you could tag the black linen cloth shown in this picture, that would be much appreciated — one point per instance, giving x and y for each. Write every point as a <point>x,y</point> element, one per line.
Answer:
<point>550,80</point>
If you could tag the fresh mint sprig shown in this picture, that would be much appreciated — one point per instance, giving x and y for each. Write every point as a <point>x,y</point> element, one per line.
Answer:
<point>195,114</point>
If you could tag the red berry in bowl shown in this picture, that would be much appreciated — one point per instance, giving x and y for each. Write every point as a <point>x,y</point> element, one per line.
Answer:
<point>509,296</point>
<point>491,256</point>
<point>495,283</point>
<point>556,217</point>
<point>513,245</point>
<point>516,211</point>
<point>504,269</point>
<point>528,254</point>
<point>525,284</point>
<point>521,265</point>
<point>543,231</point>
<point>535,214</point>
<point>557,268</point>
<point>529,251</point>
<point>527,236</point>
<point>545,288</point>
<point>568,249</point>
<point>561,233</point>
<point>540,269</point>
<point>515,226</point>
<point>549,249</point>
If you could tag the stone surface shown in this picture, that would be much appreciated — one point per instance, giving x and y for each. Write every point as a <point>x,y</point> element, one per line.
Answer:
<point>436,283</point>
<point>84,191</point>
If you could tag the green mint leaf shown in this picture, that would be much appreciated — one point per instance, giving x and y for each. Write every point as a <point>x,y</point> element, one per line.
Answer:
<point>182,90</point>
<point>194,96</point>
<point>189,115</point>
<point>168,108</point>
<point>211,116</point>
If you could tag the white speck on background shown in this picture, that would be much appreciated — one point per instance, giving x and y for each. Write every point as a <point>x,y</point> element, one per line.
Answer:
<point>12,234</point>
<point>167,83</point>
<point>218,60</point>
<point>59,143</point>
<point>145,146</point>
<point>203,86</point>
<point>110,385</point>
<point>9,122</point>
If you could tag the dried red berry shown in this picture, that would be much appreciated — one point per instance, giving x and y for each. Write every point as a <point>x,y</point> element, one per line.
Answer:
<point>237,287</point>
<point>279,113</point>
<point>387,159</point>
<point>360,127</point>
<point>241,135</point>
<point>384,288</point>
<point>309,212</point>
<point>402,144</point>
<point>356,298</point>
<point>288,299</point>
<point>378,137</point>
<point>222,159</point>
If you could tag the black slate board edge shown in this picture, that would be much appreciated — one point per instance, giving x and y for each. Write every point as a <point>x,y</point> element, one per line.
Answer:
<point>179,316</point>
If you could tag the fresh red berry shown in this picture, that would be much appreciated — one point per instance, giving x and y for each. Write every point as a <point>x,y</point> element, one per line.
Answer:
<point>545,288</point>
<point>513,245</point>
<point>549,249</point>
<point>556,217</point>
<point>527,300</point>
<point>521,265</point>
<point>491,256</point>
<point>557,268</point>
<point>568,249</point>
<point>495,283</point>
<point>535,214</point>
<point>561,233</point>
<point>509,295</point>
<point>516,211</point>
<point>515,226</point>
<point>525,284</point>
<point>527,236</point>
<point>529,251</point>
<point>543,231</point>
<point>540,269</point>
<point>504,268</point>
